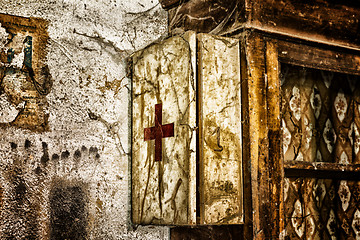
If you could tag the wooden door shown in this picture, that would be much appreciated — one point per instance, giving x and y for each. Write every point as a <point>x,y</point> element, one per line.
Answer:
<point>186,132</point>
<point>163,126</point>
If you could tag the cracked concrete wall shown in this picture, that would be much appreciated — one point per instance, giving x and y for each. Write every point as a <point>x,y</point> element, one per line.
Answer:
<point>71,181</point>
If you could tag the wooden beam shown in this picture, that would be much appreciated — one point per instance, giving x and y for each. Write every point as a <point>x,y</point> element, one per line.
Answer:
<point>328,21</point>
<point>321,20</point>
<point>315,57</point>
<point>167,4</point>
<point>322,174</point>
<point>256,142</point>
<point>229,232</point>
<point>248,212</point>
<point>263,166</point>
<point>300,165</point>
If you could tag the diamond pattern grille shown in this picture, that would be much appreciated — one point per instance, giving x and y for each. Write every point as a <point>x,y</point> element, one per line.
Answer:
<point>320,115</point>
<point>322,209</point>
<point>321,123</point>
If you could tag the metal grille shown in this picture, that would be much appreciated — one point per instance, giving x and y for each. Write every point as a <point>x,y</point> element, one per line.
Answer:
<point>321,123</point>
<point>320,115</point>
<point>322,208</point>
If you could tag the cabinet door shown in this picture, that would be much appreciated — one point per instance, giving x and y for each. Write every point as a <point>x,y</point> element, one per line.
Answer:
<point>186,132</point>
<point>220,164</point>
<point>164,133</point>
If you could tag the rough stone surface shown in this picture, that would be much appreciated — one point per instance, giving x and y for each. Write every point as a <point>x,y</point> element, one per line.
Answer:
<point>72,180</point>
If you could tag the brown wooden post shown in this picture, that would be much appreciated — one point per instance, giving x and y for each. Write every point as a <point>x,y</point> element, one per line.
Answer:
<point>248,217</point>
<point>263,166</point>
<point>256,142</point>
<point>276,168</point>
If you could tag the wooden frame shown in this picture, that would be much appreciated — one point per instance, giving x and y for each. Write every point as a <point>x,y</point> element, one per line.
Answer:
<point>328,21</point>
<point>320,34</point>
<point>263,164</point>
<point>304,34</point>
<point>263,170</point>
<point>264,167</point>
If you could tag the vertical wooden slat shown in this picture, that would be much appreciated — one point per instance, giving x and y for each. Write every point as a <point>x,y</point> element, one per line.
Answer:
<point>248,213</point>
<point>220,131</point>
<point>257,140</point>
<point>262,149</point>
<point>276,172</point>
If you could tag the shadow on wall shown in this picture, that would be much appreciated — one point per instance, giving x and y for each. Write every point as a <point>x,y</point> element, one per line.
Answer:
<point>22,203</point>
<point>68,214</point>
<point>35,203</point>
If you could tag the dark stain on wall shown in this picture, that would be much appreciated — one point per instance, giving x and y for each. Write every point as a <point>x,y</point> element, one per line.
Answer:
<point>22,205</point>
<point>13,145</point>
<point>45,157</point>
<point>1,197</point>
<point>65,155</point>
<point>83,148</point>
<point>93,151</point>
<point>55,157</point>
<point>68,213</point>
<point>22,194</point>
<point>77,155</point>
<point>27,144</point>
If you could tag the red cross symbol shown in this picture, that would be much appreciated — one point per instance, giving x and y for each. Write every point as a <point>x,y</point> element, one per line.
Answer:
<point>158,132</point>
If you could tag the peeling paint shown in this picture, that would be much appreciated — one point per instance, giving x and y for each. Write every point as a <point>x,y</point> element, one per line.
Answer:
<point>24,76</point>
<point>220,129</point>
<point>162,76</point>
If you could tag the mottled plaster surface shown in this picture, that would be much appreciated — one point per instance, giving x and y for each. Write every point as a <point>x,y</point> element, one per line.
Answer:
<point>75,175</point>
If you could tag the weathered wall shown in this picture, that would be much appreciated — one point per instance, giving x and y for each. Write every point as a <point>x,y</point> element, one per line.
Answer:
<point>71,181</point>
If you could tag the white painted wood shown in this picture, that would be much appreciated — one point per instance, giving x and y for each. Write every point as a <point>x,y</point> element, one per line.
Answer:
<point>164,192</point>
<point>220,138</point>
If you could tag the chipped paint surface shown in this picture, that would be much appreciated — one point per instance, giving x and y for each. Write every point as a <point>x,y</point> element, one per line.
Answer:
<point>163,75</point>
<point>220,127</point>
<point>71,181</point>
<point>24,74</point>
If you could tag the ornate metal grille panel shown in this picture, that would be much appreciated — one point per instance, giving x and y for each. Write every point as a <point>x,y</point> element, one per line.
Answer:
<point>321,123</point>
<point>320,115</point>
<point>322,208</point>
